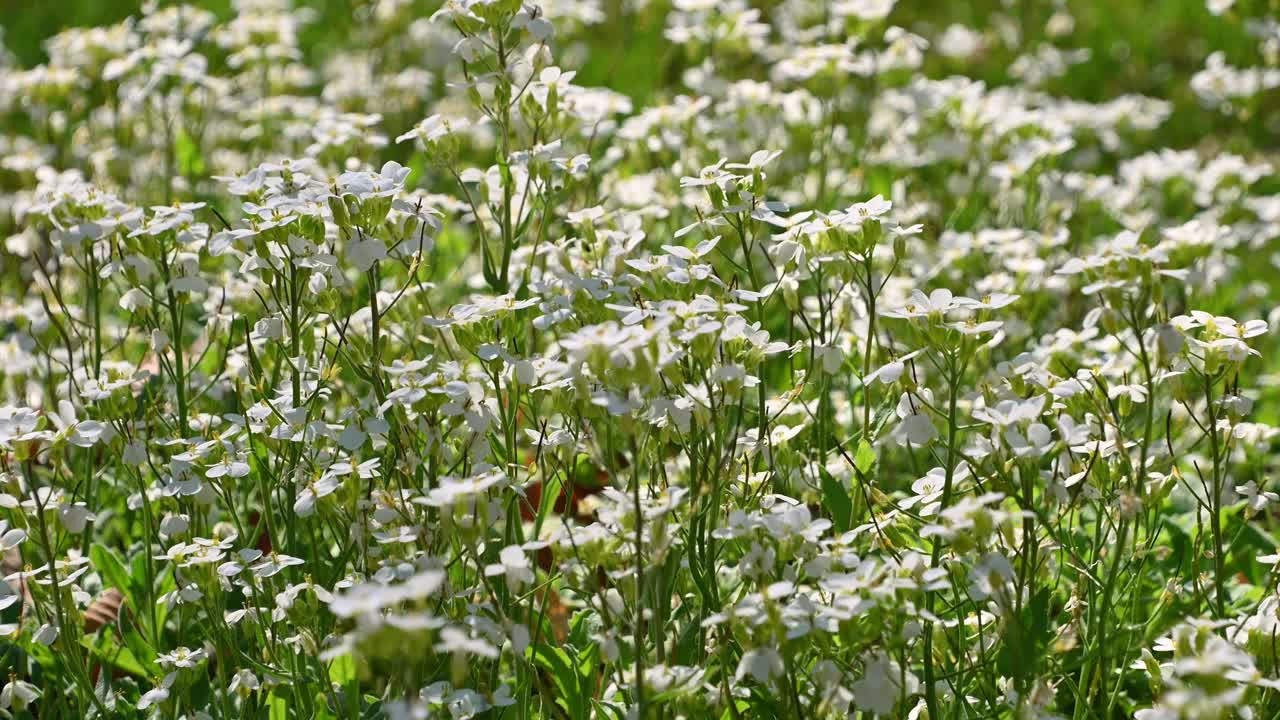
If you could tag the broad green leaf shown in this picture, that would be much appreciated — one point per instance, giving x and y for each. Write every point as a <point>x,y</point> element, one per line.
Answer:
<point>835,498</point>
<point>342,670</point>
<point>105,647</point>
<point>564,675</point>
<point>552,487</point>
<point>277,707</point>
<point>865,459</point>
<point>141,650</point>
<point>112,569</point>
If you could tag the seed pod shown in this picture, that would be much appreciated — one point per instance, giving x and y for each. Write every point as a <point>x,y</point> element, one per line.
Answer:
<point>104,610</point>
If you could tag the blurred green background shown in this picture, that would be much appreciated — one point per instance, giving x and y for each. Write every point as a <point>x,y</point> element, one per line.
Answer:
<point>1151,47</point>
<point>1144,46</point>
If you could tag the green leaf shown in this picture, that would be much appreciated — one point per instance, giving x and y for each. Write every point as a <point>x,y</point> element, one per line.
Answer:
<point>342,670</point>
<point>605,710</point>
<point>138,571</point>
<point>1026,639</point>
<point>167,585</point>
<point>865,459</point>
<point>187,153</point>
<point>112,569</point>
<point>588,661</point>
<point>552,487</point>
<point>372,708</point>
<point>582,626</point>
<point>417,169</point>
<point>142,651</point>
<point>835,498</point>
<point>277,707</point>
<point>564,674</point>
<point>105,648</point>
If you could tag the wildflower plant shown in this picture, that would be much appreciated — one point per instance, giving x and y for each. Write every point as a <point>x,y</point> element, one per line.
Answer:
<point>853,359</point>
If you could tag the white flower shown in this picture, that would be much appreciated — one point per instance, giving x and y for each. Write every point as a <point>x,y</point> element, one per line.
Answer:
<point>882,684</point>
<point>366,185</point>
<point>1036,442</point>
<point>366,253</point>
<point>761,664</point>
<point>371,598</point>
<point>434,128</point>
<point>273,563</point>
<point>458,641</point>
<point>182,657</point>
<point>1011,412</point>
<point>830,357</point>
<point>928,489</point>
<point>243,683</point>
<point>47,634</point>
<point>12,538</point>
<point>81,433</point>
<point>174,525</point>
<point>1135,393</point>
<point>305,505</point>
<point>18,694</point>
<point>534,22</point>
<point>74,516</point>
<point>758,160</point>
<point>938,302</point>
<point>135,299</point>
<point>889,373</point>
<point>916,429</point>
<point>17,424</point>
<point>158,694</point>
<point>230,466</point>
<point>1257,498</point>
<point>514,564</point>
<point>453,491</point>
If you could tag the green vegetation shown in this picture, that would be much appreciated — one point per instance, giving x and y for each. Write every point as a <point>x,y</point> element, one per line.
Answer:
<point>606,359</point>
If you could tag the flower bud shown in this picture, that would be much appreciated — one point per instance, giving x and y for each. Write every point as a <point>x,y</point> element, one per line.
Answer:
<point>899,247</point>
<point>339,209</point>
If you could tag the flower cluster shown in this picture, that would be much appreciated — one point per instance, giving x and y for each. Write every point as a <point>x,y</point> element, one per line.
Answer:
<point>852,360</point>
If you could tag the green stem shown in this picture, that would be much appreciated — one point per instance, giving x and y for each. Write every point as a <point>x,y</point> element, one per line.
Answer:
<point>930,674</point>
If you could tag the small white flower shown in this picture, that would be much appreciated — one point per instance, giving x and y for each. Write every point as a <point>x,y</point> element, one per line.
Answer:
<point>916,429</point>
<point>47,634</point>
<point>158,694</point>
<point>881,685</point>
<point>273,563</point>
<point>763,665</point>
<point>18,694</point>
<point>434,128</point>
<point>514,564</point>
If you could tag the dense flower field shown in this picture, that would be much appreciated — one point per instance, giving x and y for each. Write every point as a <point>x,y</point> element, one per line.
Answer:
<point>642,359</point>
